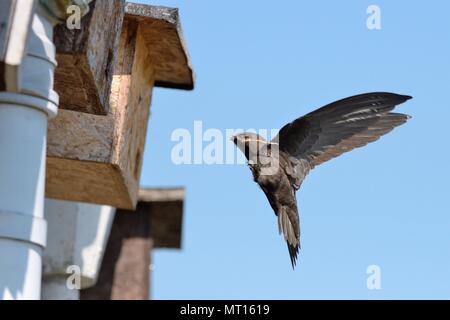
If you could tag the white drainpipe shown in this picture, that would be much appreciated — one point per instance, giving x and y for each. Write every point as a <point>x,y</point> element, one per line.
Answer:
<point>23,132</point>
<point>77,238</point>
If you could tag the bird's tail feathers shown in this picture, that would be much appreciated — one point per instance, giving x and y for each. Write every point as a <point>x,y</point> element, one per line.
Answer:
<point>289,227</point>
<point>293,253</point>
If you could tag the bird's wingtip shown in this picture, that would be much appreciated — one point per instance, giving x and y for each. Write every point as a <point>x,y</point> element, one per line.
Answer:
<point>407,97</point>
<point>400,97</point>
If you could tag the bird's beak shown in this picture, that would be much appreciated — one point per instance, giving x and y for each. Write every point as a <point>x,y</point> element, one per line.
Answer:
<point>234,139</point>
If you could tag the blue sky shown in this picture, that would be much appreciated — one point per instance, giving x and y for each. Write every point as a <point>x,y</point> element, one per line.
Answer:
<point>261,64</point>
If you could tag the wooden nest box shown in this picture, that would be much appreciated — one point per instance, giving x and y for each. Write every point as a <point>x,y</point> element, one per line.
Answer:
<point>96,143</point>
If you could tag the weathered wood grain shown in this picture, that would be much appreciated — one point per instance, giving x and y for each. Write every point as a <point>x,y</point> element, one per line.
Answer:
<point>132,108</point>
<point>164,37</point>
<point>86,58</point>
<point>98,159</point>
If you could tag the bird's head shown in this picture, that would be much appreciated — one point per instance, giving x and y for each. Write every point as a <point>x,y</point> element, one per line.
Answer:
<point>246,138</point>
<point>249,143</point>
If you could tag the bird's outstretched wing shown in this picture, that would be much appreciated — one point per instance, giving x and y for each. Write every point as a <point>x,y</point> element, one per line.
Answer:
<point>340,127</point>
<point>284,204</point>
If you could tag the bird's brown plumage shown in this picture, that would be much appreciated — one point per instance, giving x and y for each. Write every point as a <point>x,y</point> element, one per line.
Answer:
<point>311,140</point>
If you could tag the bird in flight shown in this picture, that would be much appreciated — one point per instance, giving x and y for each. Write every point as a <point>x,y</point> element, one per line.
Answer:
<point>279,166</point>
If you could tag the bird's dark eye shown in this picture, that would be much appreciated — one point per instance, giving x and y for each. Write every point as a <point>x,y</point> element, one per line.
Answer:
<point>235,140</point>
